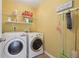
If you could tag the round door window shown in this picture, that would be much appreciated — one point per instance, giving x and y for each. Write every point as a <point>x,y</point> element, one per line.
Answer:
<point>37,43</point>
<point>15,47</point>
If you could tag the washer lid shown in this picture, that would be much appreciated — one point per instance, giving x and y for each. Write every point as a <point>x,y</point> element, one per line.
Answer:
<point>36,44</point>
<point>14,46</point>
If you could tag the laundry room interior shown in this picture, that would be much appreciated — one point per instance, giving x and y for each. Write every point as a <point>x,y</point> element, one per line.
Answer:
<point>39,28</point>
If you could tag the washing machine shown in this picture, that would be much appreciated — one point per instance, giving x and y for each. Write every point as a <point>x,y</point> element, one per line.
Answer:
<point>1,45</point>
<point>14,45</point>
<point>35,44</point>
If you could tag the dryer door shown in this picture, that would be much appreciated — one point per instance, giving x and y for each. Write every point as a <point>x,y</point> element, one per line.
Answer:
<point>14,47</point>
<point>36,44</point>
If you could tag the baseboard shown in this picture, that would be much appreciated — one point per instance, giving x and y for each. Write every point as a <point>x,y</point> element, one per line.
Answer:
<point>51,56</point>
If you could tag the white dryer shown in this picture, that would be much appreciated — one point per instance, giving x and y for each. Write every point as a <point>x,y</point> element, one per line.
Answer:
<point>35,44</point>
<point>14,45</point>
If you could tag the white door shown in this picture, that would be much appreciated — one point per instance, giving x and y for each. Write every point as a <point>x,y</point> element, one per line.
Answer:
<point>0,18</point>
<point>1,43</point>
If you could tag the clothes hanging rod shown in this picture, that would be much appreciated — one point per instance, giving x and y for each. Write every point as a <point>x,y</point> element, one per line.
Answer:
<point>73,9</point>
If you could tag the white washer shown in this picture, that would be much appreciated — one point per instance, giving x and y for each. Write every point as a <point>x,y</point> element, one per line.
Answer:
<point>14,45</point>
<point>35,44</point>
<point>1,45</point>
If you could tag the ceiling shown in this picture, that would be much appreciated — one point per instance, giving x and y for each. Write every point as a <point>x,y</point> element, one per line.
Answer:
<point>33,3</point>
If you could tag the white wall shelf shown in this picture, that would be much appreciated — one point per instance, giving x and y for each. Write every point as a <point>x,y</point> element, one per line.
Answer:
<point>14,22</point>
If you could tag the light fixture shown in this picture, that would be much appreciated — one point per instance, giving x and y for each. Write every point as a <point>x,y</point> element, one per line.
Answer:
<point>30,2</point>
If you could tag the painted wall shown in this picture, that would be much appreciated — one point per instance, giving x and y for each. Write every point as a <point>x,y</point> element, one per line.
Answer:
<point>47,22</point>
<point>8,8</point>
